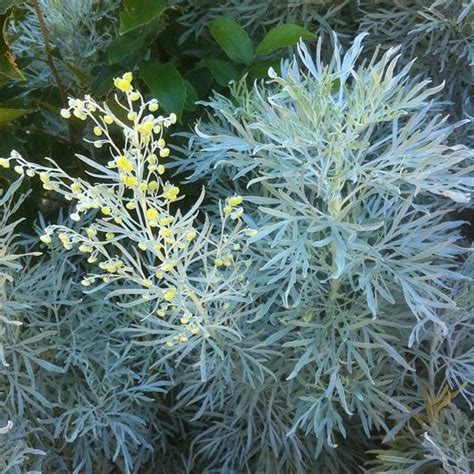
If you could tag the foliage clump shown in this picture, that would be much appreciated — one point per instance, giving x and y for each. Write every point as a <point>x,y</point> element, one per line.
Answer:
<point>301,302</point>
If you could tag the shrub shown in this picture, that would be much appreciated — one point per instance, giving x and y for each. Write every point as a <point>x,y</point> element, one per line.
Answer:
<point>301,319</point>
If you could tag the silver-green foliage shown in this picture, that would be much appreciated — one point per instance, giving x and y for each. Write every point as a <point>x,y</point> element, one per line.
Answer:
<point>340,336</point>
<point>350,180</point>
<point>79,30</point>
<point>74,395</point>
<point>440,34</point>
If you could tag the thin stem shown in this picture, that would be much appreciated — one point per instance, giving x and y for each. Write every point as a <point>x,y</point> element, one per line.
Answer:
<point>54,71</point>
<point>49,58</point>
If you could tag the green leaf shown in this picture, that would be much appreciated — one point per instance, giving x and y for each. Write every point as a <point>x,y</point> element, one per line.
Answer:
<point>191,97</point>
<point>167,84</point>
<point>138,13</point>
<point>222,71</point>
<point>233,39</point>
<point>259,69</point>
<point>281,37</point>
<point>9,115</point>
<point>79,73</point>
<point>124,46</point>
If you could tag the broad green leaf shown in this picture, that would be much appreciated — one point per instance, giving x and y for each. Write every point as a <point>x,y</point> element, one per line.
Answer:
<point>281,37</point>
<point>167,84</point>
<point>222,71</point>
<point>138,13</point>
<point>124,46</point>
<point>9,115</point>
<point>233,39</point>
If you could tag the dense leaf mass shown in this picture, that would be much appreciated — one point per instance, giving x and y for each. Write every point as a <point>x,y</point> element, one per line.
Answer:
<point>282,285</point>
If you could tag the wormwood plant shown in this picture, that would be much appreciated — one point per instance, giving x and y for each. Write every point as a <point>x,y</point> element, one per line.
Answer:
<point>349,179</point>
<point>292,337</point>
<point>77,32</point>
<point>79,394</point>
<point>440,34</point>
<point>14,448</point>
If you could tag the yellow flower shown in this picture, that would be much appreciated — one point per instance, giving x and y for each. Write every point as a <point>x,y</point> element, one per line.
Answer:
<point>170,294</point>
<point>147,283</point>
<point>106,211</point>
<point>152,214</point>
<point>166,220</point>
<point>165,232</point>
<point>109,236</point>
<point>97,131</point>
<point>134,96</point>
<point>131,206</point>
<point>4,163</point>
<point>46,239</point>
<point>152,159</point>
<point>171,193</point>
<point>235,201</point>
<point>65,113</point>
<point>190,236</point>
<point>145,127</point>
<point>108,119</point>
<point>183,338</point>
<point>153,106</point>
<point>124,164</point>
<point>130,181</point>
<point>161,169</point>
<point>165,152</point>
<point>153,186</point>
<point>76,187</point>
<point>123,84</point>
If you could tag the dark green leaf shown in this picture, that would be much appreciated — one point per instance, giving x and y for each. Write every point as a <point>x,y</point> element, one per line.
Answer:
<point>222,71</point>
<point>233,39</point>
<point>8,115</point>
<point>191,97</point>
<point>138,13</point>
<point>167,84</point>
<point>281,37</point>
<point>259,69</point>
<point>79,73</point>
<point>124,46</point>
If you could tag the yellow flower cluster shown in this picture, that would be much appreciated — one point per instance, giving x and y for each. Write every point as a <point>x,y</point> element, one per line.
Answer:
<point>124,83</point>
<point>135,236</point>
